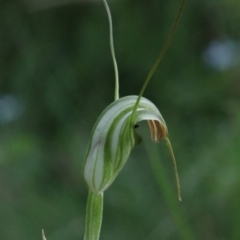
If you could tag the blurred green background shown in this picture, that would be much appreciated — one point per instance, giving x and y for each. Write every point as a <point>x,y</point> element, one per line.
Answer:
<point>56,77</point>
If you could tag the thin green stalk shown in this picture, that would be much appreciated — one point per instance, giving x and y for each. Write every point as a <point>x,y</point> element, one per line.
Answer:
<point>116,95</point>
<point>158,60</point>
<point>93,216</point>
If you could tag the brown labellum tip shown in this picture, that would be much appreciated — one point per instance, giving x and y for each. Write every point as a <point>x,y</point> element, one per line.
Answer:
<point>158,130</point>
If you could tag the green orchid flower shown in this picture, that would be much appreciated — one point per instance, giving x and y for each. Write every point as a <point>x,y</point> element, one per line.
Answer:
<point>113,137</point>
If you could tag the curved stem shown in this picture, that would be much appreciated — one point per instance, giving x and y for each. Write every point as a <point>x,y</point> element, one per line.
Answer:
<point>159,58</point>
<point>93,216</point>
<point>116,95</point>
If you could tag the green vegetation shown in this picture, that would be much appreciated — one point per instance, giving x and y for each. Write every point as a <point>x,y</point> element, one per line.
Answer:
<point>56,77</point>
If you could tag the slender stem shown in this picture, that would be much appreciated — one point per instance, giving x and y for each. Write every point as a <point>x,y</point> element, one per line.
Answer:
<point>116,95</point>
<point>94,216</point>
<point>159,58</point>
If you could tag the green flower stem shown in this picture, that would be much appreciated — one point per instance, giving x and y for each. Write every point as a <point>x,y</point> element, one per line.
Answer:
<point>159,58</point>
<point>116,95</point>
<point>93,216</point>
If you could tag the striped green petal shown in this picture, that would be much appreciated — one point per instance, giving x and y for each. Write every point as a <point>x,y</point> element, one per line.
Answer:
<point>113,137</point>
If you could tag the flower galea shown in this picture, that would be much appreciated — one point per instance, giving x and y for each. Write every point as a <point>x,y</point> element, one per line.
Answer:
<point>114,136</point>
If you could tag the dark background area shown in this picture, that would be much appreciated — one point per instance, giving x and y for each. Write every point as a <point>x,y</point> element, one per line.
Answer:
<point>56,77</point>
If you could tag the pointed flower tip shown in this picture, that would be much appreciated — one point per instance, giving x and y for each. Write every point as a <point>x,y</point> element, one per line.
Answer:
<point>179,194</point>
<point>175,168</point>
<point>179,191</point>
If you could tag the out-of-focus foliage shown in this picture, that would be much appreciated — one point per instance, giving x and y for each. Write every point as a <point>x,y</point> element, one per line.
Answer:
<point>56,76</point>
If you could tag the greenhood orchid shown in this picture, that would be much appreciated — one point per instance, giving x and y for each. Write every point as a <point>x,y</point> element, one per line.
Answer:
<point>113,137</point>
